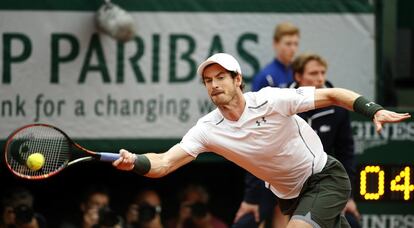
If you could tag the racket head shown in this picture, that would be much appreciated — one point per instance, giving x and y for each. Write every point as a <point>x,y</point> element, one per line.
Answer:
<point>50,141</point>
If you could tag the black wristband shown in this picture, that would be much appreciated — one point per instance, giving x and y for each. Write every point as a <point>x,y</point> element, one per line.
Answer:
<point>142,165</point>
<point>366,107</point>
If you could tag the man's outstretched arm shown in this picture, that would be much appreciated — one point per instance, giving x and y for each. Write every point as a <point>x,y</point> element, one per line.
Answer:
<point>151,164</point>
<point>355,102</point>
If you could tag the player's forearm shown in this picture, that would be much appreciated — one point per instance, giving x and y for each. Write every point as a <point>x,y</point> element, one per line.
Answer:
<point>335,96</point>
<point>345,98</point>
<point>354,102</point>
<point>159,166</point>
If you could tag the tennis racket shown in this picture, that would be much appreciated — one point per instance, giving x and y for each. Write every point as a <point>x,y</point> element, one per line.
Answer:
<point>59,151</point>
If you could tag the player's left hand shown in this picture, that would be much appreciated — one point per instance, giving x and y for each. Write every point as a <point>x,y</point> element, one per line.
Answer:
<point>351,207</point>
<point>384,116</point>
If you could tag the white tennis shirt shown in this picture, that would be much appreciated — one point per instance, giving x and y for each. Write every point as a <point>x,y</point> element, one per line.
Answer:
<point>268,140</point>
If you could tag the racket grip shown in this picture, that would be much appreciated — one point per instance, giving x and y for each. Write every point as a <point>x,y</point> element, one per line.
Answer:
<point>108,157</point>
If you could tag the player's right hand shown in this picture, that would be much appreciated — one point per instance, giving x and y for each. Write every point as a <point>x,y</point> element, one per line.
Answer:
<point>246,208</point>
<point>125,161</point>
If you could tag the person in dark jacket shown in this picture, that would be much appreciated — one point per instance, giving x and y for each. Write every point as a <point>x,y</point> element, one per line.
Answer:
<point>332,124</point>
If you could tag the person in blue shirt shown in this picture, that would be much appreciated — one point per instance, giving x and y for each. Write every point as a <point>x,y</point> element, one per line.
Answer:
<point>277,73</point>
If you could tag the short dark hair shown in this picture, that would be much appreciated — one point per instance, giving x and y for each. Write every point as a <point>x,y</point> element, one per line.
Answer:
<point>300,62</point>
<point>92,190</point>
<point>200,190</point>
<point>16,196</point>
<point>233,75</point>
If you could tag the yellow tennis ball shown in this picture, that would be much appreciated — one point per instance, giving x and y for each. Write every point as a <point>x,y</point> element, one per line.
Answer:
<point>35,161</point>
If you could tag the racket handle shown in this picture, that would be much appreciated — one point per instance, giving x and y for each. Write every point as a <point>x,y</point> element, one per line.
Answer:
<point>108,157</point>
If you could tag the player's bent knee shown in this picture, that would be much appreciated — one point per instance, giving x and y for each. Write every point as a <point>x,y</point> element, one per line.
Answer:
<point>301,223</point>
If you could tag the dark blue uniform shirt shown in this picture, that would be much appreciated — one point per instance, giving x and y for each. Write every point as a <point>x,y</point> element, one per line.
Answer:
<point>275,74</point>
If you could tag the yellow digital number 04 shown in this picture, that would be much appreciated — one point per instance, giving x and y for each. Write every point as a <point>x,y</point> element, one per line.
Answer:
<point>401,183</point>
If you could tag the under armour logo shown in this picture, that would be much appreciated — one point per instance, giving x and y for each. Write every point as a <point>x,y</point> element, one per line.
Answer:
<point>369,104</point>
<point>263,120</point>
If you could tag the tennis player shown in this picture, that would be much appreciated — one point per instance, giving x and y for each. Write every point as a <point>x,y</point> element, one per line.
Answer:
<point>260,132</point>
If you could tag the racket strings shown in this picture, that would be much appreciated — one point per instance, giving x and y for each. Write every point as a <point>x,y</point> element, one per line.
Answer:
<point>55,148</point>
<point>49,142</point>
